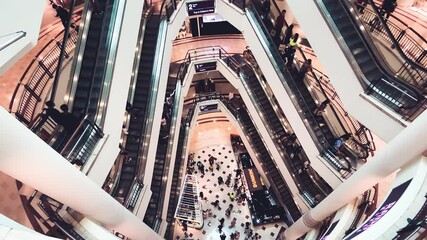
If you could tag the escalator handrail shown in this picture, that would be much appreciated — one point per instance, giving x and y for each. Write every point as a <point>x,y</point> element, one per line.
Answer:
<point>372,50</point>
<point>80,49</point>
<point>395,43</point>
<point>351,121</point>
<point>408,27</point>
<point>289,162</point>
<point>132,86</point>
<point>173,129</point>
<point>282,73</point>
<point>317,79</point>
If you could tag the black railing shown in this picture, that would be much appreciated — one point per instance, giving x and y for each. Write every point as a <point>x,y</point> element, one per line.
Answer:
<point>400,36</point>
<point>77,146</point>
<point>37,76</point>
<point>133,195</point>
<point>82,142</point>
<point>48,211</point>
<point>361,210</point>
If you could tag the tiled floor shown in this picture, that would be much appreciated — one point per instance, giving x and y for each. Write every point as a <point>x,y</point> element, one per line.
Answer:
<point>215,142</point>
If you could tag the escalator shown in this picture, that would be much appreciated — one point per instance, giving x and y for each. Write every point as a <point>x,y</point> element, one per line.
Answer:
<point>281,188</point>
<point>321,129</point>
<point>318,126</point>
<point>159,166</point>
<point>390,90</point>
<point>174,195</point>
<point>293,161</point>
<point>139,108</point>
<point>90,80</point>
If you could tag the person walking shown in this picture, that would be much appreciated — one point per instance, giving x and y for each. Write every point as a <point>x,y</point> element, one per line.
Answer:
<point>220,228</point>
<point>288,56</point>
<point>52,112</point>
<point>305,67</point>
<point>221,221</point>
<point>63,14</point>
<point>288,34</point>
<point>387,8</point>
<point>361,5</point>
<point>294,41</point>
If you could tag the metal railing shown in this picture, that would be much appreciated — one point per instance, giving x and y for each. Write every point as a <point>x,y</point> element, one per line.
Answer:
<point>134,193</point>
<point>410,49</point>
<point>82,142</point>
<point>76,147</point>
<point>43,67</point>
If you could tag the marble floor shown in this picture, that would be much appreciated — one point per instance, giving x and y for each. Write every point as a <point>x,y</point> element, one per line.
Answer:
<point>212,139</point>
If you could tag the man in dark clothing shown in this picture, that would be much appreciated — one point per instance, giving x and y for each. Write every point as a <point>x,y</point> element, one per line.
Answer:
<point>63,14</point>
<point>387,8</point>
<point>278,25</point>
<point>221,221</point>
<point>288,34</point>
<point>280,21</point>
<point>52,112</point>
<point>69,121</point>
<point>288,56</point>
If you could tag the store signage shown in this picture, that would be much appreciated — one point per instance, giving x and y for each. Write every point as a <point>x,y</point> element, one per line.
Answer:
<point>330,229</point>
<point>390,201</point>
<point>200,7</point>
<point>204,67</point>
<point>253,180</point>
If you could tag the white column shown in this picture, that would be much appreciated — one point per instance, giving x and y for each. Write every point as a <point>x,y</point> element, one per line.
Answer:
<point>28,159</point>
<point>405,147</point>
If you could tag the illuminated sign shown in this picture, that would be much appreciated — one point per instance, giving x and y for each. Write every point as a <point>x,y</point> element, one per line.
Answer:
<point>390,201</point>
<point>204,67</point>
<point>200,7</point>
<point>252,177</point>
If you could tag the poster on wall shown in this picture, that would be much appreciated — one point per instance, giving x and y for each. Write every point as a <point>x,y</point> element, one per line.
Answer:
<point>200,7</point>
<point>388,204</point>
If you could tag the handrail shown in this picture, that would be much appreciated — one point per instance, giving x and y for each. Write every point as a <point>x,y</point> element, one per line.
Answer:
<point>132,86</point>
<point>172,135</point>
<point>13,40</point>
<point>356,128</point>
<point>235,112</point>
<point>412,53</point>
<point>361,209</point>
<point>37,82</point>
<point>82,142</point>
<point>373,52</point>
<point>395,42</point>
<point>133,195</point>
<point>288,81</point>
<point>318,81</point>
<point>112,38</point>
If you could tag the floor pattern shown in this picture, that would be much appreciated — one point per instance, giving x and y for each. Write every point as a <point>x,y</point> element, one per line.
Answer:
<point>212,191</point>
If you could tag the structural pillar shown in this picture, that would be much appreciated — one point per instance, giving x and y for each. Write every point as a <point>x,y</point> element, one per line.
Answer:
<point>28,159</point>
<point>405,147</point>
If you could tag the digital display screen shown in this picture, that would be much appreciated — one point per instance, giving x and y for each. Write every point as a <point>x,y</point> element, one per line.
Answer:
<point>253,180</point>
<point>204,67</point>
<point>200,7</point>
<point>390,201</point>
